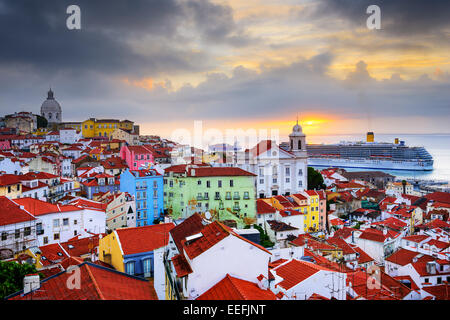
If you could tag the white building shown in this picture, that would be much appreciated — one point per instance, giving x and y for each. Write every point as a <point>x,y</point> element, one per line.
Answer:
<point>59,223</point>
<point>201,254</point>
<point>17,228</point>
<point>10,167</point>
<point>298,280</point>
<point>279,171</point>
<point>69,136</point>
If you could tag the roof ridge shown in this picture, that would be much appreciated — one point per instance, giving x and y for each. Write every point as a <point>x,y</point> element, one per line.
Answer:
<point>21,205</point>
<point>236,286</point>
<point>96,286</point>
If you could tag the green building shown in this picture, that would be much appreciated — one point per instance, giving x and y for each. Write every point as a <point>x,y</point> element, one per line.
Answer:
<point>226,193</point>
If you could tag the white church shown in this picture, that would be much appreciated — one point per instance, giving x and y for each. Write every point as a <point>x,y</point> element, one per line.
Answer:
<point>278,171</point>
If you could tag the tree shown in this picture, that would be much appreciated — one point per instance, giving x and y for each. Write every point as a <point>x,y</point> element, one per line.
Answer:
<point>11,276</point>
<point>41,122</point>
<point>315,179</point>
<point>264,238</point>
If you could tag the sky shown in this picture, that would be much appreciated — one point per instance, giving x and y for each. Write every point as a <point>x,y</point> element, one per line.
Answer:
<point>254,64</point>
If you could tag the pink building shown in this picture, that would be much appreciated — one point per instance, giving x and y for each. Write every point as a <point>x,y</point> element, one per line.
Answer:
<point>136,157</point>
<point>5,145</point>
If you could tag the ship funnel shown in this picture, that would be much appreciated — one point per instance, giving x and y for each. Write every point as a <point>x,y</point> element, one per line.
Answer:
<point>370,137</point>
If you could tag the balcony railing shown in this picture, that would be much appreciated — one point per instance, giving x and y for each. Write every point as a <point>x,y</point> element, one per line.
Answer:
<point>236,197</point>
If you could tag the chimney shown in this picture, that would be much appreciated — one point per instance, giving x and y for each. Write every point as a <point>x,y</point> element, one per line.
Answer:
<point>31,282</point>
<point>385,231</point>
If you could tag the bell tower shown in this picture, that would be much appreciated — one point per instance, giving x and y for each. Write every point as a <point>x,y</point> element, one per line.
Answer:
<point>297,141</point>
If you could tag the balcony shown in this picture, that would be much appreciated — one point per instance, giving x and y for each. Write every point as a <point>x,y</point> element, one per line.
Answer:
<point>228,197</point>
<point>141,187</point>
<point>236,208</point>
<point>217,197</point>
<point>235,197</point>
<point>199,198</point>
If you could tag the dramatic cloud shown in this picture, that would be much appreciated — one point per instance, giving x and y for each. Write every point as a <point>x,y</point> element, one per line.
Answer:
<point>173,61</point>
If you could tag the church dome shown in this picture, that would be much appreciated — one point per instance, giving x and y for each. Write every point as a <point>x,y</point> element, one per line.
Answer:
<point>297,130</point>
<point>51,109</point>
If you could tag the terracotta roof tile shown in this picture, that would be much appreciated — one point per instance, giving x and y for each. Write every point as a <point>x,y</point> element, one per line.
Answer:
<point>231,288</point>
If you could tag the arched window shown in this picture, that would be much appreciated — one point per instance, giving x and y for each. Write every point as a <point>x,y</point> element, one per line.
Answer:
<point>299,144</point>
<point>50,115</point>
<point>292,144</point>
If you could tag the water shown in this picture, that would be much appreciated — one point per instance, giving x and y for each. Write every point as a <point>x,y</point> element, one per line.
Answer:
<point>438,145</point>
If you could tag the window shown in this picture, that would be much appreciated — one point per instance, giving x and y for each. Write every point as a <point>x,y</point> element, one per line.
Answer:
<point>147,267</point>
<point>65,221</point>
<point>75,221</point>
<point>4,236</point>
<point>219,183</point>
<point>300,172</point>
<point>45,240</point>
<point>261,181</point>
<point>56,236</point>
<point>208,184</point>
<point>27,231</point>
<point>199,182</point>
<point>231,183</point>
<point>39,229</point>
<point>129,268</point>
<point>288,171</point>
<point>439,280</point>
<point>55,223</point>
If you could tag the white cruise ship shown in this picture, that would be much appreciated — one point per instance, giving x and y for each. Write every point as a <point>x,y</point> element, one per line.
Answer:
<point>370,155</point>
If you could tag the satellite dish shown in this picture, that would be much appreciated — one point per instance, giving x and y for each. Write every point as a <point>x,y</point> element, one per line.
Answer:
<point>208,215</point>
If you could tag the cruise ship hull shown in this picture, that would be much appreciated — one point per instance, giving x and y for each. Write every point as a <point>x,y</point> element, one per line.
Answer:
<point>371,164</point>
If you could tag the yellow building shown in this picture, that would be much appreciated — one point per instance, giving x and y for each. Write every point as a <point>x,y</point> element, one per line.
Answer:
<point>10,186</point>
<point>41,132</point>
<point>103,127</point>
<point>73,125</point>
<point>306,202</point>
<point>110,251</point>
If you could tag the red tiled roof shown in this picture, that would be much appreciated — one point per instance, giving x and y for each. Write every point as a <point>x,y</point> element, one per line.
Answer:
<point>97,283</point>
<point>363,256</point>
<point>144,239</point>
<point>440,292</point>
<point>438,244</point>
<point>416,238</point>
<point>341,244</point>
<point>11,212</point>
<point>403,256</point>
<point>437,223</point>
<point>188,227</point>
<point>231,288</point>
<point>38,207</point>
<point>9,179</point>
<point>182,267</point>
<point>79,247</point>
<point>443,197</point>
<point>377,235</point>
<point>211,234</point>
<point>52,254</point>
<point>263,207</point>
<point>296,271</point>
<point>217,172</point>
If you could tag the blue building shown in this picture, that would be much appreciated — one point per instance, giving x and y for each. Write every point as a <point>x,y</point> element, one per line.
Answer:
<point>147,187</point>
<point>100,183</point>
